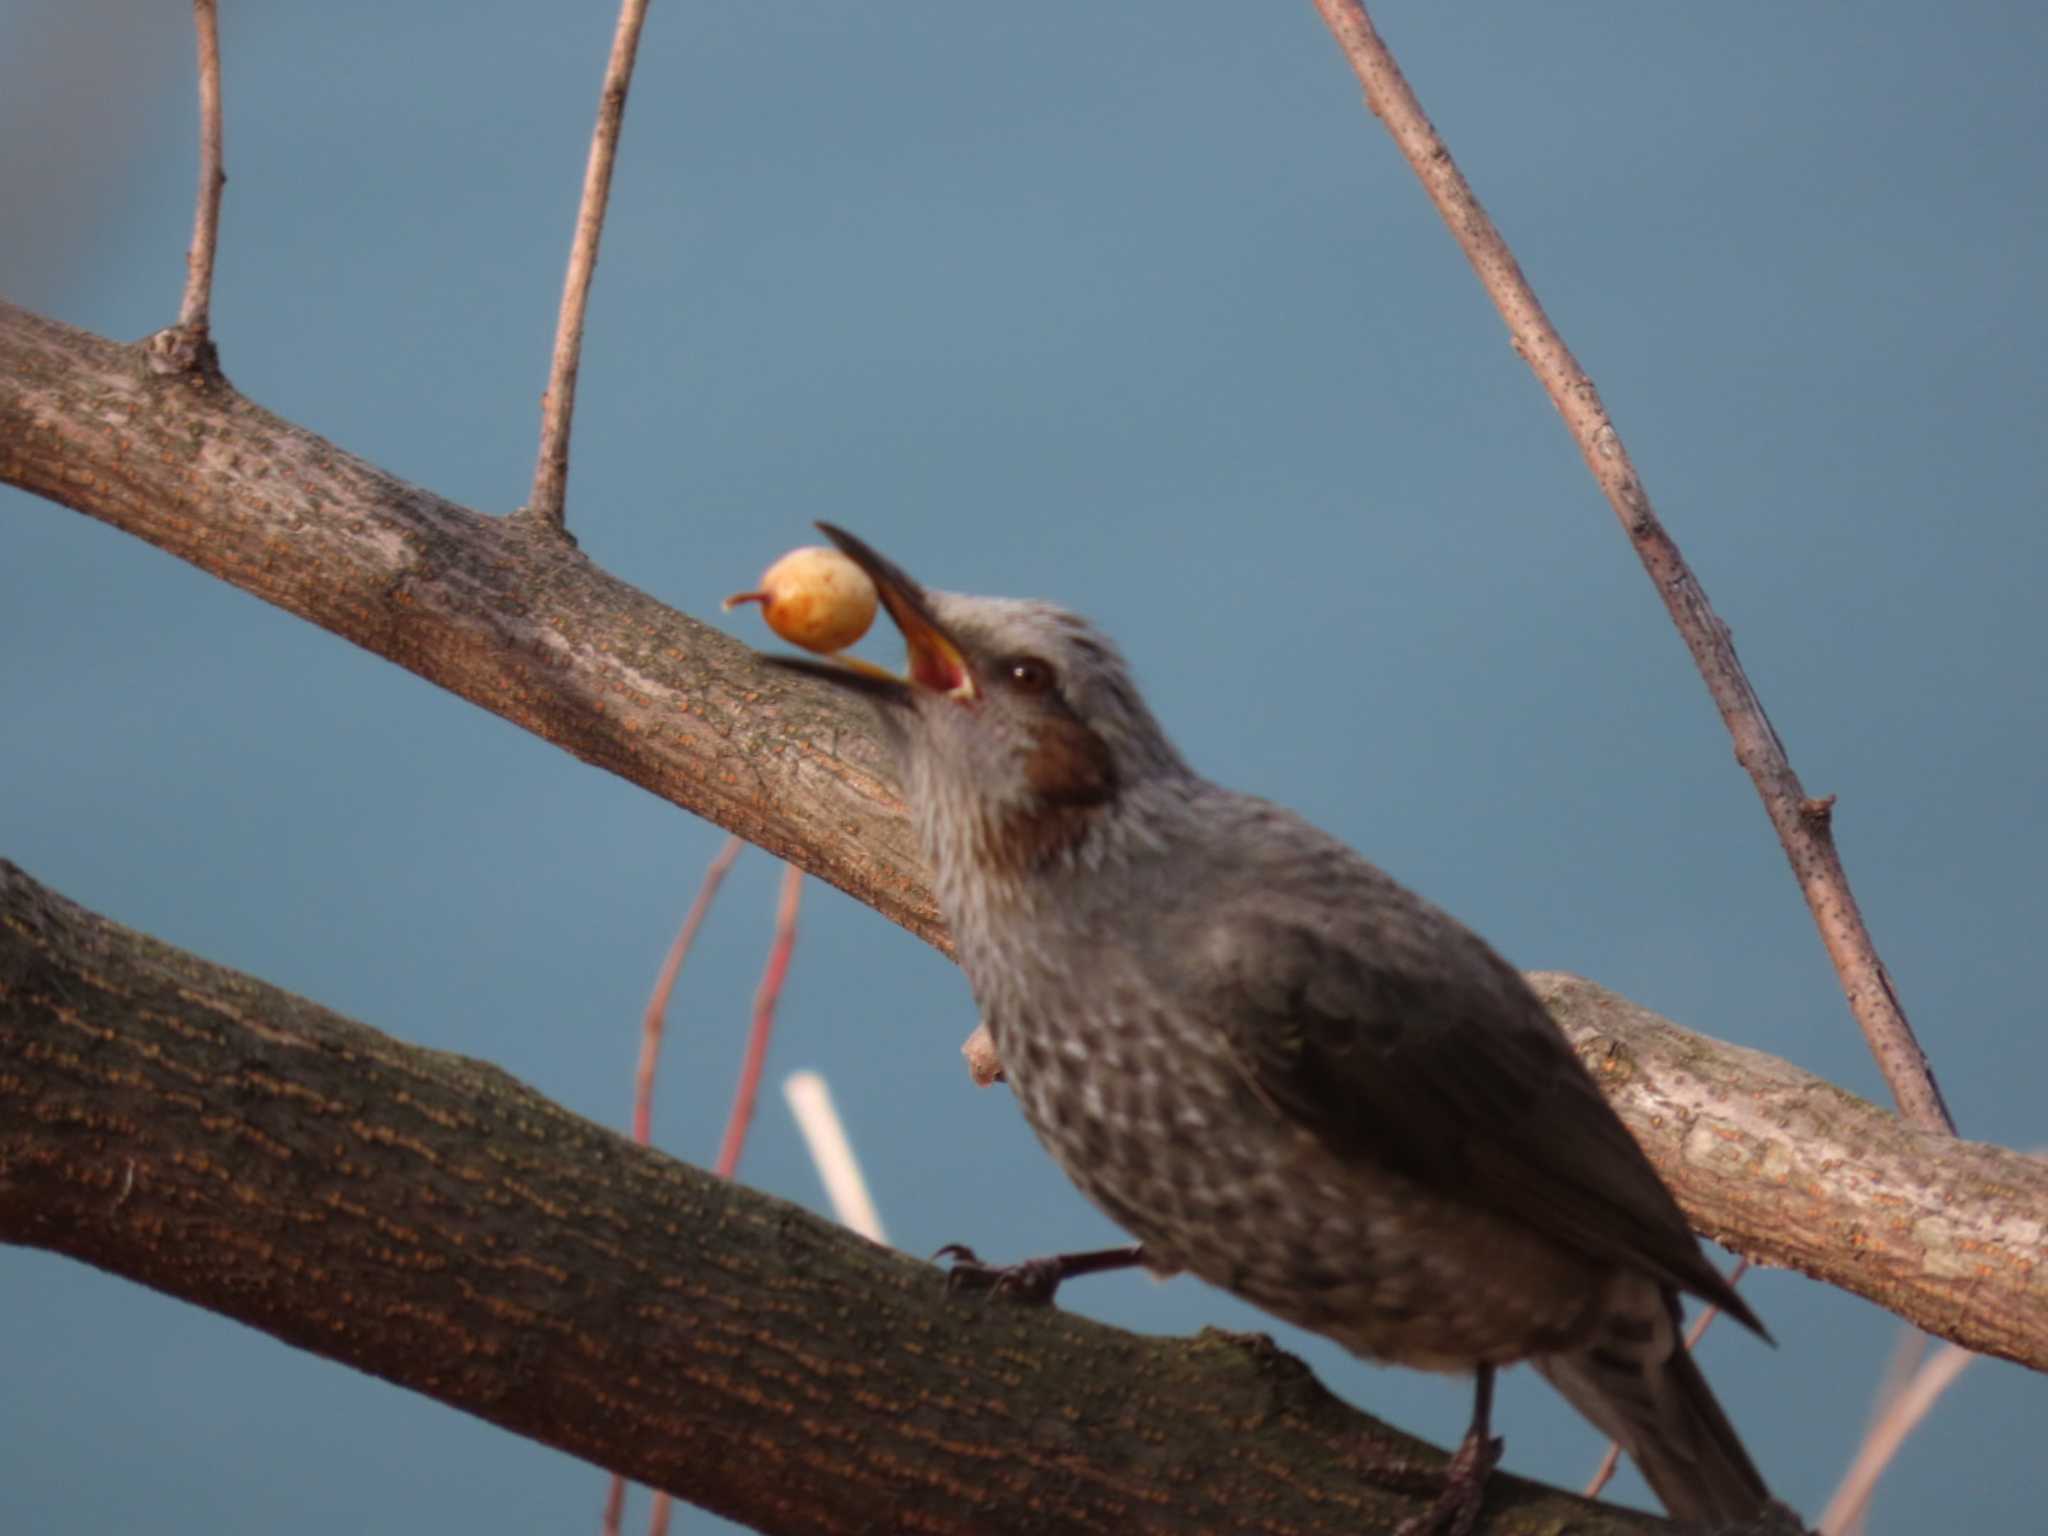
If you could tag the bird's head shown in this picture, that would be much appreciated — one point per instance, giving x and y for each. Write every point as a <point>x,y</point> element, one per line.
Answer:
<point>1018,729</point>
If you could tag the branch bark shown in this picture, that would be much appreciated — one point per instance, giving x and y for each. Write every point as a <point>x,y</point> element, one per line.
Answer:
<point>1792,1171</point>
<point>428,1219</point>
<point>1771,1161</point>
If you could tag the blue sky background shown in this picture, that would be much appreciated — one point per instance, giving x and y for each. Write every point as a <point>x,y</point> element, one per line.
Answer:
<point>1131,306</point>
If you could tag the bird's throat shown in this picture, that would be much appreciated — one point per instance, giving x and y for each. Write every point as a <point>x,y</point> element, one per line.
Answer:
<point>1027,842</point>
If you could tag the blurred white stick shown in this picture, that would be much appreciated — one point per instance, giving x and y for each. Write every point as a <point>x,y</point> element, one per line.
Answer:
<point>1908,1351</point>
<point>811,1102</point>
<point>1882,1443</point>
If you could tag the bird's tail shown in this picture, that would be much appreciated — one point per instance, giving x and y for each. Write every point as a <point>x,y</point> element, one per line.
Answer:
<point>1638,1384</point>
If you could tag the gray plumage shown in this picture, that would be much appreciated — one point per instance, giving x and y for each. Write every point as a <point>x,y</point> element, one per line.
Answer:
<point>1274,1066</point>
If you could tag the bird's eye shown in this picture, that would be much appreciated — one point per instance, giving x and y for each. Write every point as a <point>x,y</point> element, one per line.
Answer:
<point>1028,674</point>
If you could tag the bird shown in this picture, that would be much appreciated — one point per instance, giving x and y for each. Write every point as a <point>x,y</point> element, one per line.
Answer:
<point>1275,1067</point>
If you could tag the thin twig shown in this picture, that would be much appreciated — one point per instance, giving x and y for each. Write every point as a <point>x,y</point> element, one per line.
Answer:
<point>558,405</point>
<point>1802,822</point>
<point>765,999</point>
<point>1909,1350</point>
<point>1934,1377</point>
<point>749,1089</point>
<point>651,1026</point>
<point>1605,1473</point>
<point>187,347</point>
<point>195,314</point>
<point>651,1022</point>
<point>810,1101</point>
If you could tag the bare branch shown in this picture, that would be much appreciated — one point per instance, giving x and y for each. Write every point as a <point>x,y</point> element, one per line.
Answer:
<point>187,347</point>
<point>428,1219</point>
<point>1803,823</point>
<point>651,1021</point>
<point>780,948</point>
<point>1935,1376</point>
<point>558,405</point>
<point>1909,1350</point>
<point>195,314</point>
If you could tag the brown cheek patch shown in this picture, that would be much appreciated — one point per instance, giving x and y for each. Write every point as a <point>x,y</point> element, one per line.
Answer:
<point>1071,776</point>
<point>1029,840</point>
<point>1069,765</point>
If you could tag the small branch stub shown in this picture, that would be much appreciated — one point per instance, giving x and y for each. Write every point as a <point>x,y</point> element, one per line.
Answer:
<point>178,350</point>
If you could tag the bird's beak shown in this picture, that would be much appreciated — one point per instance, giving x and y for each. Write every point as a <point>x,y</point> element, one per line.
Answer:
<point>936,661</point>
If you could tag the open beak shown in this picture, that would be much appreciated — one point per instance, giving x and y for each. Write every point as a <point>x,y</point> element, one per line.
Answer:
<point>936,662</point>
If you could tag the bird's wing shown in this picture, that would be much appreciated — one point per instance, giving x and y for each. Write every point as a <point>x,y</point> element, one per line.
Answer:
<point>1403,1041</point>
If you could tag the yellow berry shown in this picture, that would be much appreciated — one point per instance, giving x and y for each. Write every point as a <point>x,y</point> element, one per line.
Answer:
<point>814,597</point>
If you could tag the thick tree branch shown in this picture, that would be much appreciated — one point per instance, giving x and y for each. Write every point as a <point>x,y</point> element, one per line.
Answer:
<point>534,632</point>
<point>1792,1171</point>
<point>426,1218</point>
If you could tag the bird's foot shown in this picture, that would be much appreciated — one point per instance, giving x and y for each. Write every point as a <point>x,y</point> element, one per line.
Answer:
<point>1033,1281</point>
<point>1463,1489</point>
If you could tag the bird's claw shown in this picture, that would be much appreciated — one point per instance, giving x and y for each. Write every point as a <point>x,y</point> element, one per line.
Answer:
<point>1032,1282</point>
<point>1463,1490</point>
